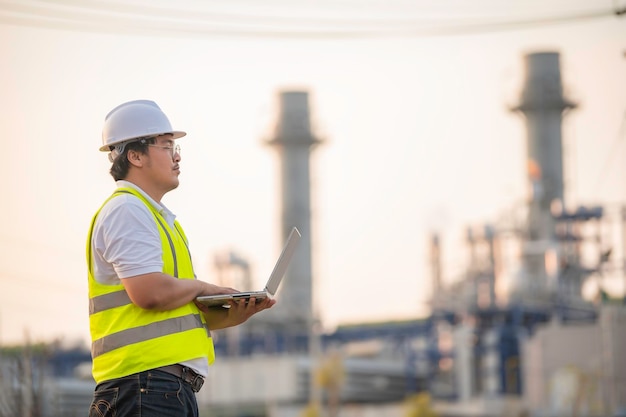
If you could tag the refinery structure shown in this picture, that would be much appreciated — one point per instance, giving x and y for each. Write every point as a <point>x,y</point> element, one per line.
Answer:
<point>532,347</point>
<point>483,348</point>
<point>535,346</point>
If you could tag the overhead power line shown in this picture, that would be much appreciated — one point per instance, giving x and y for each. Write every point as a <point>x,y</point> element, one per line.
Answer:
<point>113,17</point>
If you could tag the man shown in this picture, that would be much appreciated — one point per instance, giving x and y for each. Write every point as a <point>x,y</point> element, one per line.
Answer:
<point>151,342</point>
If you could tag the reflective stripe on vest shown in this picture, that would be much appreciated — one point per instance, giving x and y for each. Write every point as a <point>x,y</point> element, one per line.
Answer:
<point>150,331</point>
<point>108,301</point>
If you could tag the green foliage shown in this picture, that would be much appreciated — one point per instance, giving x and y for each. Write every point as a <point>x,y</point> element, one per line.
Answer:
<point>418,405</point>
<point>35,350</point>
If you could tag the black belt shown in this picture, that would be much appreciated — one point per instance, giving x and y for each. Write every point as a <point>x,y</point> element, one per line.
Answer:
<point>186,374</point>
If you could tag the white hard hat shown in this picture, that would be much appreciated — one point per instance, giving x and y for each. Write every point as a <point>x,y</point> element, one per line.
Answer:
<point>134,120</point>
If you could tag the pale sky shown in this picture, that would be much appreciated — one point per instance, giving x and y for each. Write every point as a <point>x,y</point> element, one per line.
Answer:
<point>417,138</point>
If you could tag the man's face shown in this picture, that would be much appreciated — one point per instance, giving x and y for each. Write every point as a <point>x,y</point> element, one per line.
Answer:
<point>163,163</point>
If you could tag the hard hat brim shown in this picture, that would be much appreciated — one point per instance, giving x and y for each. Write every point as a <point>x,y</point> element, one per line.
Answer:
<point>175,135</point>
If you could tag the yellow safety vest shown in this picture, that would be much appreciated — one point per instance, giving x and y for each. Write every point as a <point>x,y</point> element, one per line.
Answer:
<point>127,339</point>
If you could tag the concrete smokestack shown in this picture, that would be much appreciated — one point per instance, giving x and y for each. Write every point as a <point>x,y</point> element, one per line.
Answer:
<point>543,104</point>
<point>294,140</point>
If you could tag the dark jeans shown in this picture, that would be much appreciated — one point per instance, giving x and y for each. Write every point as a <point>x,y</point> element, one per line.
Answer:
<point>146,394</point>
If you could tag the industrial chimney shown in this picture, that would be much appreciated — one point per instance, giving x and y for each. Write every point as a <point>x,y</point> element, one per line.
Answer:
<point>294,140</point>
<point>543,105</point>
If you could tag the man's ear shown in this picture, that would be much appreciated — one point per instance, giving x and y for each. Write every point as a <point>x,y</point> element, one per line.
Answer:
<point>134,158</point>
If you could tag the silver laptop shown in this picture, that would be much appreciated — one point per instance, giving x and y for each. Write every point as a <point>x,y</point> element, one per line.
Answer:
<point>272,283</point>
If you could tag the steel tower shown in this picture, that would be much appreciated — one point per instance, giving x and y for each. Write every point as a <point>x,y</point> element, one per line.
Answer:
<point>543,105</point>
<point>294,140</point>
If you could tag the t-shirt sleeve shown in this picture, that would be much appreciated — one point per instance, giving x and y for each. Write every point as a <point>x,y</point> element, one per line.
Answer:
<point>128,238</point>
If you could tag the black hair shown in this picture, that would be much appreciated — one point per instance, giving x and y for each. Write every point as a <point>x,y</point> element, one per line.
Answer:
<point>121,165</point>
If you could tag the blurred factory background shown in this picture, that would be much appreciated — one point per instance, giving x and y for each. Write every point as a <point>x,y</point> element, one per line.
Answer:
<point>516,335</point>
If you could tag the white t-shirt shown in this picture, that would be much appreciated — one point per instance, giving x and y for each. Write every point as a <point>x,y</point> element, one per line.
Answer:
<point>126,243</point>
